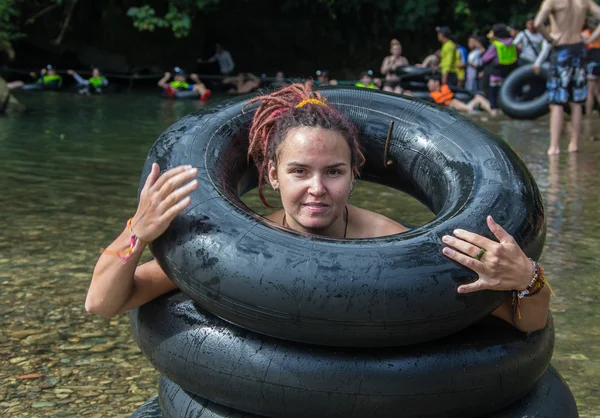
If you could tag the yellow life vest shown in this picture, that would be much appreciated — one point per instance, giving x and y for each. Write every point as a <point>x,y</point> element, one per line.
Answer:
<point>50,79</point>
<point>96,81</point>
<point>368,86</point>
<point>507,54</point>
<point>179,85</point>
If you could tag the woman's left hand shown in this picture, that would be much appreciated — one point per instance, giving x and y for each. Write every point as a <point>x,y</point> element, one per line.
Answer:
<point>503,265</point>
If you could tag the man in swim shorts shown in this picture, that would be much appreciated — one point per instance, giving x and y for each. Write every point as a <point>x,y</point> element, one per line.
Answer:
<point>567,82</point>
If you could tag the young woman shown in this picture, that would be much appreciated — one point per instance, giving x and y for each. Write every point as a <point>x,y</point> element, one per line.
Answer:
<point>309,153</point>
<point>389,66</point>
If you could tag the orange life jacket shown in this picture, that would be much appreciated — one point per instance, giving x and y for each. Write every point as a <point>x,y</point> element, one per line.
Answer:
<point>444,96</point>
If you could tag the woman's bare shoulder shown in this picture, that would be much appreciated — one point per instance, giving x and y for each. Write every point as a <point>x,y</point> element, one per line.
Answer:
<point>370,224</point>
<point>276,216</point>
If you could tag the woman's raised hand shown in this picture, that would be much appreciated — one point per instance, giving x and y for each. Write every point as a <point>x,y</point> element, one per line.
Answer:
<point>163,197</point>
<point>502,266</point>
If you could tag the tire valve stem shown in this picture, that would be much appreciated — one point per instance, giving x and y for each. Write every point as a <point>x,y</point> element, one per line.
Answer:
<point>388,162</point>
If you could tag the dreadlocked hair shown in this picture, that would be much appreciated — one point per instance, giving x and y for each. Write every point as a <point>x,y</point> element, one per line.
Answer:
<point>295,106</point>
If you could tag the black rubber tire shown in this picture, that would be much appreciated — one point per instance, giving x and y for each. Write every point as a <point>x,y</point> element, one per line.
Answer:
<point>550,398</point>
<point>366,292</point>
<point>150,409</point>
<point>510,97</point>
<point>182,95</point>
<point>478,370</point>
<point>176,402</point>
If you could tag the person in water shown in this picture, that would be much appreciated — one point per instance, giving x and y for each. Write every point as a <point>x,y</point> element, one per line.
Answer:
<point>180,83</point>
<point>390,66</point>
<point>567,82</point>
<point>243,83</point>
<point>593,67</point>
<point>94,84</point>
<point>448,57</point>
<point>461,64</point>
<point>474,63</point>
<point>223,57</point>
<point>367,81</point>
<point>323,79</point>
<point>309,153</point>
<point>431,61</point>
<point>501,57</point>
<point>47,77</point>
<point>443,95</point>
<point>280,81</point>
<point>529,42</point>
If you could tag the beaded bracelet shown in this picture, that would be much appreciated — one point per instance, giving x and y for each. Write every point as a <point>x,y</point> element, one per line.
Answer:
<point>535,286</point>
<point>126,254</point>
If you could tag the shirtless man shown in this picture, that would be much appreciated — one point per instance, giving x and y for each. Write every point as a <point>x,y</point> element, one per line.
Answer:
<point>244,83</point>
<point>567,82</point>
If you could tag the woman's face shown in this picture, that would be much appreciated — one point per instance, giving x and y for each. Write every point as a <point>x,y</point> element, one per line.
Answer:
<point>314,176</point>
<point>396,50</point>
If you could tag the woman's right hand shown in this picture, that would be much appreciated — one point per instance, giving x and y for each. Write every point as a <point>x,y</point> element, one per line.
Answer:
<point>162,198</point>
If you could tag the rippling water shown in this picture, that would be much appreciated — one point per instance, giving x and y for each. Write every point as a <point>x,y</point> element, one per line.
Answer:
<point>68,182</point>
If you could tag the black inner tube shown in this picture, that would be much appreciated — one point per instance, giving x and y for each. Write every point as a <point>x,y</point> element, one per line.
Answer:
<point>384,291</point>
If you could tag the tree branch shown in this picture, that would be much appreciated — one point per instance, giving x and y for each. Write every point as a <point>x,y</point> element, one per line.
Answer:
<point>41,13</point>
<point>58,40</point>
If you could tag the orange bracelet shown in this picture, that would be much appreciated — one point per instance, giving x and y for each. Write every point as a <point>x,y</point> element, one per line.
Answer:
<point>126,254</point>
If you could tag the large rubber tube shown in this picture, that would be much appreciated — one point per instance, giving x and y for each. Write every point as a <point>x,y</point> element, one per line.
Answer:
<point>476,371</point>
<point>176,402</point>
<point>523,94</point>
<point>182,95</point>
<point>150,409</point>
<point>550,398</point>
<point>386,291</point>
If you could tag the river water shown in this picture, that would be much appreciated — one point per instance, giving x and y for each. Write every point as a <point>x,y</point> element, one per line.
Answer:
<point>69,176</point>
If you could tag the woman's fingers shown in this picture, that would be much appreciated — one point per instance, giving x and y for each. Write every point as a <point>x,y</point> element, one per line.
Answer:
<point>498,231</point>
<point>177,195</point>
<point>174,210</point>
<point>463,246</point>
<point>465,260</point>
<point>169,174</point>
<point>175,182</point>
<point>475,239</point>
<point>152,177</point>
<point>472,287</point>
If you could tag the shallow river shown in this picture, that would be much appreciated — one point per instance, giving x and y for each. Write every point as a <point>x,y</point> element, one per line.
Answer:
<point>68,183</point>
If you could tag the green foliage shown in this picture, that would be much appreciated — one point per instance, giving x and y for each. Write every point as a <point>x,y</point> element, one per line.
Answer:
<point>8,13</point>
<point>178,17</point>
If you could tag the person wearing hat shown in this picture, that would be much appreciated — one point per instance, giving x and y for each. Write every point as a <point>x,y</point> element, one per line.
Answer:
<point>501,57</point>
<point>180,83</point>
<point>367,81</point>
<point>529,42</point>
<point>48,77</point>
<point>448,57</point>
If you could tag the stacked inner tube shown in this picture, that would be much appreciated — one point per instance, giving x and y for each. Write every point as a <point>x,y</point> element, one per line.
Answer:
<point>274,323</point>
<point>523,94</point>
